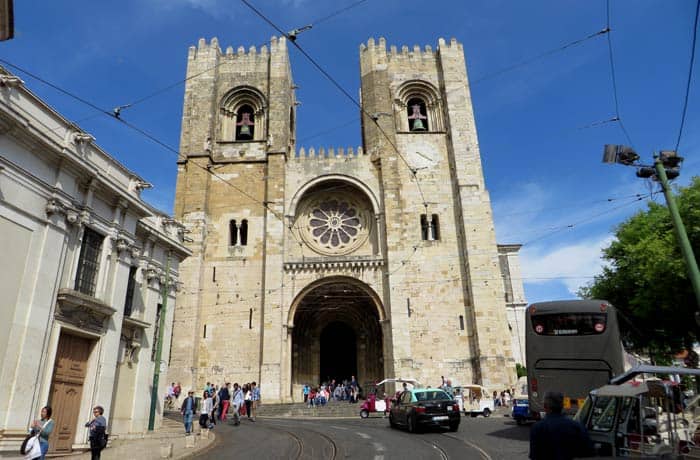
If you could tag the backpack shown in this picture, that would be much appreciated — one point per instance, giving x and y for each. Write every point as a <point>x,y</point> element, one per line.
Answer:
<point>23,447</point>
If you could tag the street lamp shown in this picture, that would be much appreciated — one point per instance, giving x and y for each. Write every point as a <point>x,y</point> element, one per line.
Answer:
<point>666,167</point>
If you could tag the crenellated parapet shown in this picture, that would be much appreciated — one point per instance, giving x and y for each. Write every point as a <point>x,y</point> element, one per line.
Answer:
<point>376,53</point>
<point>339,153</point>
<point>205,50</point>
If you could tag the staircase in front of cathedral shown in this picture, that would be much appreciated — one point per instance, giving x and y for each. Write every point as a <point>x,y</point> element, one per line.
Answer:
<point>333,409</point>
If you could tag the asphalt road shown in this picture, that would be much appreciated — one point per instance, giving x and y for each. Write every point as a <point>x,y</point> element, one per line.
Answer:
<point>328,439</point>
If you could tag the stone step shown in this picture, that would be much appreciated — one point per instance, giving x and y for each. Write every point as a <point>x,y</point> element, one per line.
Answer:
<point>332,409</point>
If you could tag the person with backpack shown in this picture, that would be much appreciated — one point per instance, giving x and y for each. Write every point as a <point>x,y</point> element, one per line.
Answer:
<point>31,447</point>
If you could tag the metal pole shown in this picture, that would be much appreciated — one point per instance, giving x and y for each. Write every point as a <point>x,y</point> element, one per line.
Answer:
<point>159,346</point>
<point>682,236</point>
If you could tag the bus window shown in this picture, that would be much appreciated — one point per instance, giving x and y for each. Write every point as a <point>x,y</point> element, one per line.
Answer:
<point>603,418</point>
<point>569,323</point>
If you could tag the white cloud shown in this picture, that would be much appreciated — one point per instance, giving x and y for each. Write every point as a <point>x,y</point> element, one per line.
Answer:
<point>572,264</point>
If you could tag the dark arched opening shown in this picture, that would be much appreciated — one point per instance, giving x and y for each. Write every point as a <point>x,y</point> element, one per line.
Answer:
<point>338,352</point>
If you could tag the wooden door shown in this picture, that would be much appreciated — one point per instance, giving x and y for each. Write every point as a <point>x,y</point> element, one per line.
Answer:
<point>67,389</point>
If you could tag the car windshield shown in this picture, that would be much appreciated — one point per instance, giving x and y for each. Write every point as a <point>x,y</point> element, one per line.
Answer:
<point>434,395</point>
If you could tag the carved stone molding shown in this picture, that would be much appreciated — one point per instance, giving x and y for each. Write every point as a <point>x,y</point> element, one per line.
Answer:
<point>73,216</point>
<point>81,138</point>
<point>333,265</point>
<point>82,310</point>
<point>10,81</point>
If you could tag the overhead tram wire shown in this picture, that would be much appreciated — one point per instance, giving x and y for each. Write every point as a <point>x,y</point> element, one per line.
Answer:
<point>582,221</point>
<point>335,83</point>
<point>144,133</point>
<point>540,56</point>
<point>690,74</point>
<point>613,78</point>
<point>180,82</point>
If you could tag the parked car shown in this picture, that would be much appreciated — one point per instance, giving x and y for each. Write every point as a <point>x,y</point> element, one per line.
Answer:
<point>423,407</point>
<point>477,400</point>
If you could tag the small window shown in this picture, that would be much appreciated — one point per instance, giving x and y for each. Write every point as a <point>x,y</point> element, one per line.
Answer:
<point>430,229</point>
<point>417,115</point>
<point>130,287</point>
<point>88,262</point>
<point>423,227</point>
<point>435,227</point>
<point>245,123</point>
<point>233,232</point>
<point>461,322</point>
<point>244,232</point>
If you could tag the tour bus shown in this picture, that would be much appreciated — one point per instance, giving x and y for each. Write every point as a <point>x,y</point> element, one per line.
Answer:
<point>571,346</point>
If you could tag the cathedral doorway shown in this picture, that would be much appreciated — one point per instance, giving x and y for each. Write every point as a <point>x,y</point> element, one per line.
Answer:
<point>337,333</point>
<point>338,339</point>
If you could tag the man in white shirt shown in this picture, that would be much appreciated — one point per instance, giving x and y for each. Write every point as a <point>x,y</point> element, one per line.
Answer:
<point>236,401</point>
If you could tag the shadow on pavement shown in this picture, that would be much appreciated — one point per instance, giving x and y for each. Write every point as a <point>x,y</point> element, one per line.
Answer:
<point>512,431</point>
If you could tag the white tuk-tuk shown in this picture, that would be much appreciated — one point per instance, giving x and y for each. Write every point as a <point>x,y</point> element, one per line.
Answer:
<point>477,400</point>
<point>644,419</point>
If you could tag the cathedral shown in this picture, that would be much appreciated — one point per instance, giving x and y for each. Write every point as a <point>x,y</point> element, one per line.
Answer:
<point>312,264</point>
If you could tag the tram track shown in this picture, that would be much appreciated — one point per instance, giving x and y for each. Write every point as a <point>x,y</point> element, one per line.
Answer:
<point>299,441</point>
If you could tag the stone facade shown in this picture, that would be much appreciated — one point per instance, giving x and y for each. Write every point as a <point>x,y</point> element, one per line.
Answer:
<point>309,264</point>
<point>85,260</point>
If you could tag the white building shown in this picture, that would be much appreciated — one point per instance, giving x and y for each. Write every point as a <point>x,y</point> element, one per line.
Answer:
<point>515,298</point>
<point>85,265</point>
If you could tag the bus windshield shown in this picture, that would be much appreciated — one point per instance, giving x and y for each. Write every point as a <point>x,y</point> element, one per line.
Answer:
<point>569,323</point>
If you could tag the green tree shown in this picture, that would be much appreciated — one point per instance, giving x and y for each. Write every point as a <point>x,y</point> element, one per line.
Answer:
<point>647,279</point>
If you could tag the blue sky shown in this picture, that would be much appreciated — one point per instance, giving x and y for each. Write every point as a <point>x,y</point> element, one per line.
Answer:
<point>539,125</point>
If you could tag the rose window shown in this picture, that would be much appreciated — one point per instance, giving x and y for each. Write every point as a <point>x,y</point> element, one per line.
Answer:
<point>335,225</point>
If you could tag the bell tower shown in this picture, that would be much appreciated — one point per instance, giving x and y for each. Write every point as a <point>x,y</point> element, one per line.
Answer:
<point>237,133</point>
<point>443,281</point>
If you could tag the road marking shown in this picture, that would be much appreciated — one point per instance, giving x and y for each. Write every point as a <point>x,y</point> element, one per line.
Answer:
<point>363,435</point>
<point>378,457</point>
<point>378,447</point>
<point>338,427</point>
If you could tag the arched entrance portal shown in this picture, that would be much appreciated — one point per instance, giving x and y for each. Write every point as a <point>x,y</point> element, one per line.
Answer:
<point>336,335</point>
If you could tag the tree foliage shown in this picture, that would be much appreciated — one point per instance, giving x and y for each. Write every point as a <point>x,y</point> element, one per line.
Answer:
<point>647,278</point>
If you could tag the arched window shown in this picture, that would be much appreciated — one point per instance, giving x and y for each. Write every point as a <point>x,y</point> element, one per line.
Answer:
<point>417,115</point>
<point>242,115</point>
<point>418,108</point>
<point>244,232</point>
<point>245,123</point>
<point>233,232</point>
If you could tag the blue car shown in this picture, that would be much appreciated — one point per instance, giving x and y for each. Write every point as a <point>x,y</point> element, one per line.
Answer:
<point>521,410</point>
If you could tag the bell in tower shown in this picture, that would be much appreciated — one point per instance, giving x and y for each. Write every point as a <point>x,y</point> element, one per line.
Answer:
<point>416,119</point>
<point>245,127</point>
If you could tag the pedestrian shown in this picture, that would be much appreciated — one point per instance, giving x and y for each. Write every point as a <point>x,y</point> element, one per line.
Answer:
<point>224,401</point>
<point>305,392</point>
<point>237,399</point>
<point>44,426</point>
<point>32,446</point>
<point>255,399</point>
<point>557,436</point>
<point>98,432</point>
<point>248,402</point>
<point>187,410</point>
<point>215,404</point>
<point>205,410</point>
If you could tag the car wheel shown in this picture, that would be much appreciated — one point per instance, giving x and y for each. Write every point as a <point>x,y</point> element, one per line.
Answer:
<point>487,412</point>
<point>454,427</point>
<point>364,413</point>
<point>392,423</point>
<point>411,423</point>
<point>519,421</point>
